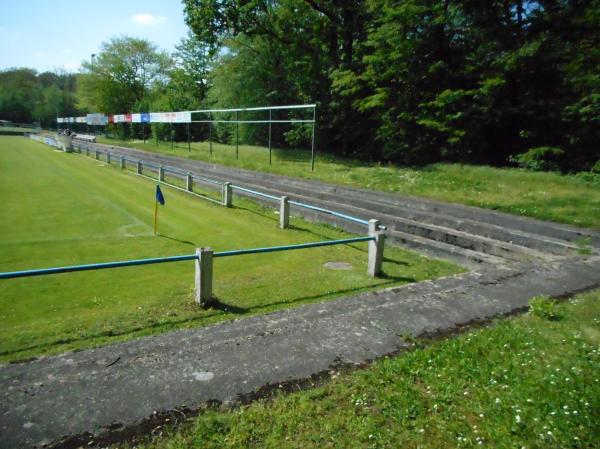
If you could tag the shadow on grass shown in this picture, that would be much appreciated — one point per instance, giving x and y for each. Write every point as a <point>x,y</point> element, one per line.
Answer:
<point>314,298</point>
<point>185,242</point>
<point>216,306</point>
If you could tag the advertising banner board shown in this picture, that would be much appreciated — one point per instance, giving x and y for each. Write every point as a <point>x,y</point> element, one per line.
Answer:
<point>171,117</point>
<point>96,119</point>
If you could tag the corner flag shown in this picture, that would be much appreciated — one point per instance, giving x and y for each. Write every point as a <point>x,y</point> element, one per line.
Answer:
<point>159,199</point>
<point>159,196</point>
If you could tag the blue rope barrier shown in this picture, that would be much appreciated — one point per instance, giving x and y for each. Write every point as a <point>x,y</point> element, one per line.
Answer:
<point>156,260</point>
<point>95,266</point>
<point>151,165</point>
<point>272,249</point>
<point>202,178</point>
<point>261,194</point>
<point>330,212</point>
<point>254,192</point>
<point>175,170</point>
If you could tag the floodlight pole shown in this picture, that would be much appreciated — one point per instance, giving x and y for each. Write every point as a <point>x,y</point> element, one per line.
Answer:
<point>270,118</point>
<point>312,150</point>
<point>188,132</point>
<point>237,136</point>
<point>210,134</point>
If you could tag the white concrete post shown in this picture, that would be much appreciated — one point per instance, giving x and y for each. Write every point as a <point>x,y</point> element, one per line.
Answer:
<point>189,182</point>
<point>284,212</point>
<point>139,167</point>
<point>203,275</point>
<point>375,249</point>
<point>122,162</point>
<point>161,173</point>
<point>227,195</point>
<point>97,154</point>
<point>107,157</point>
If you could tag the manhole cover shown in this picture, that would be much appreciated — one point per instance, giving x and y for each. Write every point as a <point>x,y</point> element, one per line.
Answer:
<point>338,266</point>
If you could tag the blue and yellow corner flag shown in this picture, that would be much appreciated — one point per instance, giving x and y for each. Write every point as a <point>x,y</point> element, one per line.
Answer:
<point>159,199</point>
<point>159,196</point>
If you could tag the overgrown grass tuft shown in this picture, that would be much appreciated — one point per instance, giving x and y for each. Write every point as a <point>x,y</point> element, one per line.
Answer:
<point>524,382</point>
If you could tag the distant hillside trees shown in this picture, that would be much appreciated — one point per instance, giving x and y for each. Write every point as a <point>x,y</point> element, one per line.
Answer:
<point>27,96</point>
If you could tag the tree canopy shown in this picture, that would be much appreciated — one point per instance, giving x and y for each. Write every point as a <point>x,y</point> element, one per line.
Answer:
<point>123,76</point>
<point>410,81</point>
<point>416,81</point>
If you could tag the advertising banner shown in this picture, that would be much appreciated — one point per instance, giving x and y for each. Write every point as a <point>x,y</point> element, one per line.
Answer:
<point>142,117</point>
<point>96,119</point>
<point>127,118</point>
<point>119,118</point>
<point>171,117</point>
<point>80,119</point>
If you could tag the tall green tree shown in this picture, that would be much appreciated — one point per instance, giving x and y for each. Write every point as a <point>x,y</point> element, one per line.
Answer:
<point>122,76</point>
<point>283,52</point>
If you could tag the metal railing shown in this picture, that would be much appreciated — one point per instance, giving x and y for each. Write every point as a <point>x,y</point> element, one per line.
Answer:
<point>204,261</point>
<point>247,190</point>
<point>181,258</point>
<point>204,256</point>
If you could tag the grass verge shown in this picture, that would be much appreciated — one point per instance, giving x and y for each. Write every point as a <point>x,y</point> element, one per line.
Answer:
<point>544,195</point>
<point>524,382</point>
<point>65,209</point>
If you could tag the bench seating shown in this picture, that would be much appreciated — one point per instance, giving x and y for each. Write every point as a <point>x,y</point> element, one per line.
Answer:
<point>85,137</point>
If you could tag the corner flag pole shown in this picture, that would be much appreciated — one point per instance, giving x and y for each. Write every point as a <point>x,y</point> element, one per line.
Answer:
<point>155,214</point>
<point>158,198</point>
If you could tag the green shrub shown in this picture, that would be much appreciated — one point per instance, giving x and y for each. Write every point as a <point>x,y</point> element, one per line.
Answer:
<point>543,307</point>
<point>596,167</point>
<point>589,177</point>
<point>540,159</point>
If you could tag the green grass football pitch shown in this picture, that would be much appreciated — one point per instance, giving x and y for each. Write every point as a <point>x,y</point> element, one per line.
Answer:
<point>62,209</point>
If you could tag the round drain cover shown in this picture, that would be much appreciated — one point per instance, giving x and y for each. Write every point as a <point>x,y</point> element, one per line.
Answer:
<point>338,266</point>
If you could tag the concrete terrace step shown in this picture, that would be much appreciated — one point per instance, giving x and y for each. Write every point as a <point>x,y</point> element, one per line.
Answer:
<point>469,228</point>
<point>538,243</point>
<point>448,237</point>
<point>433,248</point>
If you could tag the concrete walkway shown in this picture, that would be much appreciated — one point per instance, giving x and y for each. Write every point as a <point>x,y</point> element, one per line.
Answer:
<point>96,396</point>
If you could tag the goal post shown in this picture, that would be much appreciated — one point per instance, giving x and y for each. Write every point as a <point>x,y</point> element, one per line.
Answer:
<point>220,116</point>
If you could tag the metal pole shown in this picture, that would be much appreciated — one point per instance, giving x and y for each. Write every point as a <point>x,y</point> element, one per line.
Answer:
<point>270,136</point>
<point>171,135</point>
<point>237,136</point>
<point>312,150</point>
<point>144,132</point>
<point>189,144</point>
<point>210,134</point>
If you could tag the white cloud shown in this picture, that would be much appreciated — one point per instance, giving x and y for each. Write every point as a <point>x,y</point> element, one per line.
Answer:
<point>147,19</point>
<point>67,51</point>
<point>39,54</point>
<point>71,66</point>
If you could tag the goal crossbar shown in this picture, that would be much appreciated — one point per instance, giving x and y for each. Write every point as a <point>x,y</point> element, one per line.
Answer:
<point>261,108</point>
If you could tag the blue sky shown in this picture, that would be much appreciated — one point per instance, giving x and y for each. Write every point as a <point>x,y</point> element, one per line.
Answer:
<point>59,34</point>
